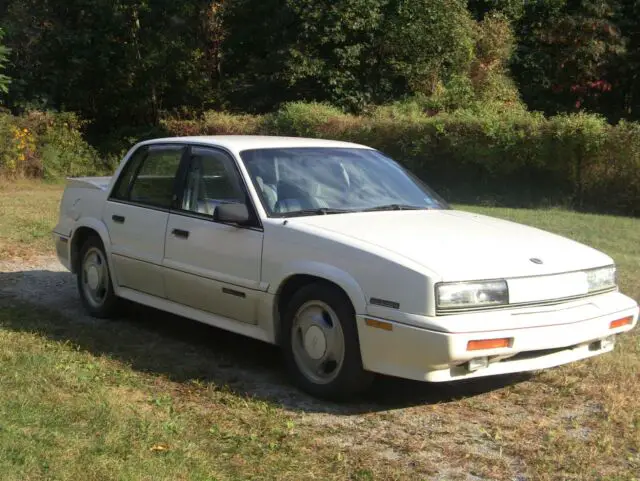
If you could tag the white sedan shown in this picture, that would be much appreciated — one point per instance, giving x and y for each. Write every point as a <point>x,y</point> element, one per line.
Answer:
<point>340,256</point>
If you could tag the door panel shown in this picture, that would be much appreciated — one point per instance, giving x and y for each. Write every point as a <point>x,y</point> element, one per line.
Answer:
<point>136,216</point>
<point>208,265</point>
<point>137,236</point>
<point>216,269</point>
<point>137,245</point>
<point>212,296</point>
<point>140,276</point>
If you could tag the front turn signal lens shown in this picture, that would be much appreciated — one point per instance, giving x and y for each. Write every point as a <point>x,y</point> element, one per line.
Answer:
<point>385,326</point>
<point>625,321</point>
<point>482,344</point>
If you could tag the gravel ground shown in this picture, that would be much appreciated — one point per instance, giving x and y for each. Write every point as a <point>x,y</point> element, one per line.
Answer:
<point>402,422</point>
<point>42,281</point>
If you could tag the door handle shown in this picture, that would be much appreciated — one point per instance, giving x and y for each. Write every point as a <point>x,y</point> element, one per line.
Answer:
<point>183,234</point>
<point>118,218</point>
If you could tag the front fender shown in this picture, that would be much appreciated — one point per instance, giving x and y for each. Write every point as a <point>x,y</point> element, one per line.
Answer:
<point>324,271</point>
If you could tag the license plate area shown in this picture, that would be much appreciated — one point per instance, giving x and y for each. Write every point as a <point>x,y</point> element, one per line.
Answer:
<point>602,344</point>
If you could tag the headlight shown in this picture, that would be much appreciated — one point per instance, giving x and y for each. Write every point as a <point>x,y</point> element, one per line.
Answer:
<point>460,295</point>
<point>601,279</point>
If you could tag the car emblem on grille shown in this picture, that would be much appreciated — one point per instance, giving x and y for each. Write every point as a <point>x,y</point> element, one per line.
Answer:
<point>536,260</point>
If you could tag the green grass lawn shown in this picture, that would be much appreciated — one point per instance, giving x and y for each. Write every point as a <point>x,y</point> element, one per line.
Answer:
<point>28,212</point>
<point>68,414</point>
<point>140,398</point>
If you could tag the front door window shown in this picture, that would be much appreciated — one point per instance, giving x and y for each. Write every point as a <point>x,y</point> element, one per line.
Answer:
<point>211,181</point>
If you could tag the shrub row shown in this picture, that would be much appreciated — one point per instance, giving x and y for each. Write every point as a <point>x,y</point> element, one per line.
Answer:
<point>45,145</point>
<point>486,154</point>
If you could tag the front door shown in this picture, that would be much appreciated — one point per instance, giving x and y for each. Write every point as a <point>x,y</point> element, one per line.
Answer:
<point>211,266</point>
<point>136,215</point>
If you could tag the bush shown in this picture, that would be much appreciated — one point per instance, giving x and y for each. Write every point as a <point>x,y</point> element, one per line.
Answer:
<point>45,145</point>
<point>301,119</point>
<point>215,123</point>
<point>487,153</point>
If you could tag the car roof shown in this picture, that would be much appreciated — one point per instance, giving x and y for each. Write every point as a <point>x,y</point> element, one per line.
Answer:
<point>238,143</point>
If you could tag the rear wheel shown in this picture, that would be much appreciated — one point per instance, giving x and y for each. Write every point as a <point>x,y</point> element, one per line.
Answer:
<point>320,341</point>
<point>94,280</point>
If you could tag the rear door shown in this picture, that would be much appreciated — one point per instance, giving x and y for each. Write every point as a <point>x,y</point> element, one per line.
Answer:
<point>136,215</point>
<point>211,266</point>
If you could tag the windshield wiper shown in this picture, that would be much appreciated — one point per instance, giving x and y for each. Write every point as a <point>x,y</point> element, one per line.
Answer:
<point>318,211</point>
<point>395,207</point>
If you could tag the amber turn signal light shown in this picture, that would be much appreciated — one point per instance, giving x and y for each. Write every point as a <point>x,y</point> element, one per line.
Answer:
<point>625,321</point>
<point>385,326</point>
<point>482,344</point>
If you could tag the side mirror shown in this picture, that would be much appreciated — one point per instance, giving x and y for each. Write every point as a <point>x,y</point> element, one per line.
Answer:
<point>231,214</point>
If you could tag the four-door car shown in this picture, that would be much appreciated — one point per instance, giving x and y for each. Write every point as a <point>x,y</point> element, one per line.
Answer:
<point>336,253</point>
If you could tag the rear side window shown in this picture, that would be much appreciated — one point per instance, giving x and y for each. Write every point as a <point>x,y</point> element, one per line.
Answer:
<point>149,176</point>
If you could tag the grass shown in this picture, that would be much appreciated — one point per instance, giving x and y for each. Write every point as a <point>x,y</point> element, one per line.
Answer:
<point>69,414</point>
<point>156,397</point>
<point>29,212</point>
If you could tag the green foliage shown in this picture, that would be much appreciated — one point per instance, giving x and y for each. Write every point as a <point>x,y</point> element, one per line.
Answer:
<point>332,54</point>
<point>303,119</point>
<point>46,145</point>
<point>626,93</point>
<point>490,74</point>
<point>214,123</point>
<point>4,53</point>
<point>512,9</point>
<point>127,64</point>
<point>112,62</point>
<point>351,53</point>
<point>568,54</point>
<point>428,42</point>
<point>277,52</point>
<point>492,154</point>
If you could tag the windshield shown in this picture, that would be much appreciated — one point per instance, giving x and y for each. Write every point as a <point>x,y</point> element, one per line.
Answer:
<point>320,180</point>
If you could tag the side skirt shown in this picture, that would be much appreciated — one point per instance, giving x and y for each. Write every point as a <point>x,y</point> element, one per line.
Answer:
<point>255,332</point>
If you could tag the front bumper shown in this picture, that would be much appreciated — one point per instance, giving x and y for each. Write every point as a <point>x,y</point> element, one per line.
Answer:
<point>423,354</point>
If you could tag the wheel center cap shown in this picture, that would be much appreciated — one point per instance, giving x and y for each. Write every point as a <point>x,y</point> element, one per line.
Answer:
<point>315,343</point>
<point>93,277</point>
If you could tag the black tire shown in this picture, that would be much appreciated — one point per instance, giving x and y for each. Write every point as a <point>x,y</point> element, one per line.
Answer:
<point>352,379</point>
<point>109,308</point>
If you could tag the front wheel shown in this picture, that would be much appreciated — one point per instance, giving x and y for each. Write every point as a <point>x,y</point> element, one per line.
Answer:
<point>94,280</point>
<point>321,346</point>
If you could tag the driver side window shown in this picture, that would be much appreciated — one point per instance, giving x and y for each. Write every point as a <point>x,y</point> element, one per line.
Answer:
<point>211,180</point>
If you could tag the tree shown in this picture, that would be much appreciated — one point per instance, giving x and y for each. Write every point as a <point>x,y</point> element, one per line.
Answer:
<point>350,53</point>
<point>512,9</point>
<point>112,61</point>
<point>425,43</point>
<point>4,53</point>
<point>567,56</point>
<point>627,69</point>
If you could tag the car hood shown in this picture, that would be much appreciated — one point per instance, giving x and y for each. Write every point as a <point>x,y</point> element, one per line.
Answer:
<point>459,245</point>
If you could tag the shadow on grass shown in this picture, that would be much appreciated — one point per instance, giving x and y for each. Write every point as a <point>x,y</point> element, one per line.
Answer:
<point>183,350</point>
